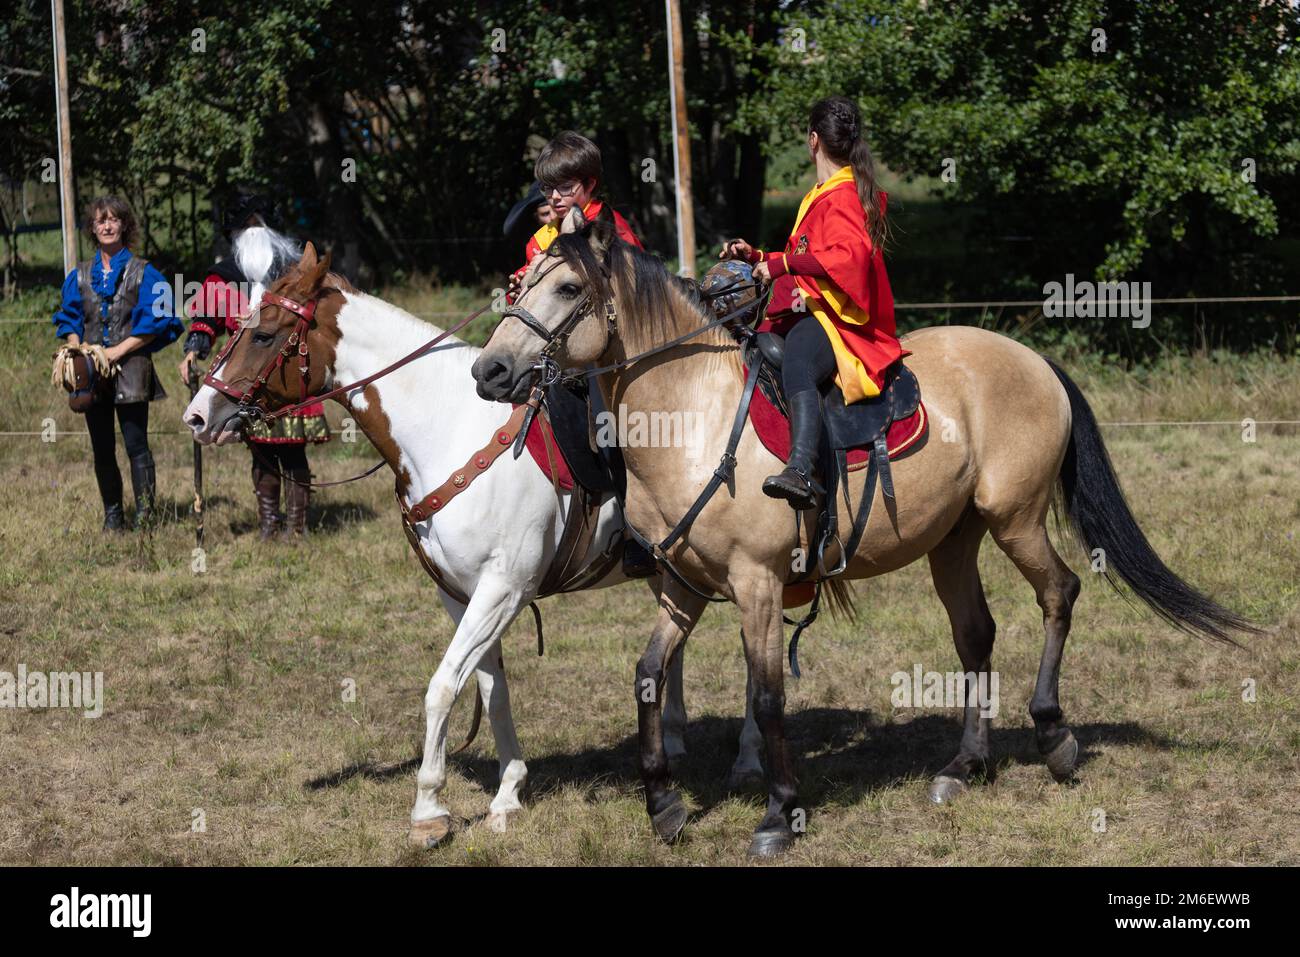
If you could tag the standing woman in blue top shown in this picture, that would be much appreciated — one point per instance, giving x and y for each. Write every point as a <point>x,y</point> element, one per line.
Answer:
<point>119,301</point>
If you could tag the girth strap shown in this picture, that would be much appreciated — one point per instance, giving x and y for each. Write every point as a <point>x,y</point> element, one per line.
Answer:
<point>723,473</point>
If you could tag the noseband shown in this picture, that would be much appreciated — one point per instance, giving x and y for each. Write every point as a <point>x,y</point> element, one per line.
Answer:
<point>553,339</point>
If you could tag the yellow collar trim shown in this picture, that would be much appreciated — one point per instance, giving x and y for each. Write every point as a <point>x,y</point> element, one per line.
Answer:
<point>842,175</point>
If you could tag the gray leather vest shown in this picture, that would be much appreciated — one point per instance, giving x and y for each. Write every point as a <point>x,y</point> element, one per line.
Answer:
<point>137,382</point>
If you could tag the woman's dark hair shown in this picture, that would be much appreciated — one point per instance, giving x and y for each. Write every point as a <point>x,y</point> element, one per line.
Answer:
<point>838,124</point>
<point>570,156</point>
<point>117,207</point>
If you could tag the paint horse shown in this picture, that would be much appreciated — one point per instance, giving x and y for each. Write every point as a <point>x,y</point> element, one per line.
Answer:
<point>492,546</point>
<point>1023,432</point>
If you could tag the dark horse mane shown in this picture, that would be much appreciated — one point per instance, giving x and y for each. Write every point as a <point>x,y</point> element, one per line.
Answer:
<point>645,292</point>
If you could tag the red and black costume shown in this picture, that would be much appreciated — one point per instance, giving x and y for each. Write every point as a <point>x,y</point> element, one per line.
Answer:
<point>278,449</point>
<point>832,300</point>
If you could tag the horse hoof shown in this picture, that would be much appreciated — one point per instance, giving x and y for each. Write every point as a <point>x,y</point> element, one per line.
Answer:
<point>1063,758</point>
<point>744,780</point>
<point>945,790</point>
<point>500,821</point>
<point>432,832</point>
<point>669,822</point>
<point>771,843</point>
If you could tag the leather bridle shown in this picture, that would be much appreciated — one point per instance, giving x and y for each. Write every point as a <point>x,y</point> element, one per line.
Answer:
<point>552,339</point>
<point>248,410</point>
<point>297,342</point>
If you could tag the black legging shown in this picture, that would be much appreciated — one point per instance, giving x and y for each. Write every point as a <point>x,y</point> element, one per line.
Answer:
<point>809,359</point>
<point>134,420</point>
<point>284,457</point>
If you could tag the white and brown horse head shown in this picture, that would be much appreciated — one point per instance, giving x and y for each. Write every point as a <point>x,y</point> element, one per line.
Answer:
<point>283,352</point>
<point>560,314</point>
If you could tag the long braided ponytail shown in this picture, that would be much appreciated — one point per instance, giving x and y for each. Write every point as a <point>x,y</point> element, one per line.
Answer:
<point>838,124</point>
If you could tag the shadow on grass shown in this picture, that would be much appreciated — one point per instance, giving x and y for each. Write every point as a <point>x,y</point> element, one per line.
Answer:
<point>366,769</point>
<point>841,755</point>
<point>326,519</point>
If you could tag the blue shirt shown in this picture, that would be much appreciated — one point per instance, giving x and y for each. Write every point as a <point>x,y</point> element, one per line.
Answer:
<point>152,315</point>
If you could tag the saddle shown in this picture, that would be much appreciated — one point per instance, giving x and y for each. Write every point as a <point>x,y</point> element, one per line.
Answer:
<point>844,426</point>
<point>600,471</point>
<point>730,290</point>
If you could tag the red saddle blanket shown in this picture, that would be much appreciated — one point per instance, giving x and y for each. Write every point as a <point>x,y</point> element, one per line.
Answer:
<point>539,436</point>
<point>774,432</point>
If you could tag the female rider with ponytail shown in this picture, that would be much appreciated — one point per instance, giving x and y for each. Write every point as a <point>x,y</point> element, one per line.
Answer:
<point>831,297</point>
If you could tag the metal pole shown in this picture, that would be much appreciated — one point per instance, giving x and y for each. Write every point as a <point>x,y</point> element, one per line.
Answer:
<point>198,467</point>
<point>681,142</point>
<point>64,129</point>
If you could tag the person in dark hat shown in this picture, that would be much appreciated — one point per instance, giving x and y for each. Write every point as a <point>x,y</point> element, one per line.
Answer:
<point>534,205</point>
<point>569,175</point>
<point>573,162</point>
<point>260,255</point>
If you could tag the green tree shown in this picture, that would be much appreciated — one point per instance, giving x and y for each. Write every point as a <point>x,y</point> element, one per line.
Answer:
<point>1153,140</point>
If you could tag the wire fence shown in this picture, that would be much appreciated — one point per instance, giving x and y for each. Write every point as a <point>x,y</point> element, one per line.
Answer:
<point>987,304</point>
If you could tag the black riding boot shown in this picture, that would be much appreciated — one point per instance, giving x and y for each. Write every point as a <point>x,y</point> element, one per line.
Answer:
<point>142,484</point>
<point>109,480</point>
<point>637,560</point>
<point>795,483</point>
<point>114,518</point>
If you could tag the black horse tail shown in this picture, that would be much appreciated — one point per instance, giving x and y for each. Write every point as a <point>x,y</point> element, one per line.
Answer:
<point>1100,519</point>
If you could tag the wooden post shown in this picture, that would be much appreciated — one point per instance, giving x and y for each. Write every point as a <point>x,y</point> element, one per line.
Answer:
<point>681,142</point>
<point>67,200</point>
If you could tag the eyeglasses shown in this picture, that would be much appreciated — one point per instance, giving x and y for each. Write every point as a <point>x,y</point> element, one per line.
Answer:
<point>564,192</point>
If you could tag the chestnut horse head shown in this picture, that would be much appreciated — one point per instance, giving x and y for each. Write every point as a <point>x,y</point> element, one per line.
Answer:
<point>282,354</point>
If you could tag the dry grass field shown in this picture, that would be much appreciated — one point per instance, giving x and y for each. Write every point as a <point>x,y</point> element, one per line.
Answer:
<point>223,690</point>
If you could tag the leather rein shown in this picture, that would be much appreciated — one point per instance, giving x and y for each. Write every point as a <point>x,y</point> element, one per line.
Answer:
<point>248,410</point>
<point>548,370</point>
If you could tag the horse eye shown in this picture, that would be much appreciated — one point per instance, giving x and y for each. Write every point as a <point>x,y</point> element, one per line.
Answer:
<point>569,290</point>
<point>262,338</point>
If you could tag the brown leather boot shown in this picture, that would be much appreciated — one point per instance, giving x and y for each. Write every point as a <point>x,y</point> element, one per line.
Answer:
<point>266,486</point>
<point>297,496</point>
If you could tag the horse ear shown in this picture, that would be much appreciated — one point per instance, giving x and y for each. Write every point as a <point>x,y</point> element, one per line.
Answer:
<point>574,222</point>
<point>314,279</point>
<point>309,275</point>
<point>603,230</point>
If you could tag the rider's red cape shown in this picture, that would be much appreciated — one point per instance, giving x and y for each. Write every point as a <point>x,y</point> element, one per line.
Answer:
<point>854,303</point>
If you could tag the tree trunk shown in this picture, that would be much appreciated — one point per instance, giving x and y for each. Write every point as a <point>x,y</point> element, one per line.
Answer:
<point>339,199</point>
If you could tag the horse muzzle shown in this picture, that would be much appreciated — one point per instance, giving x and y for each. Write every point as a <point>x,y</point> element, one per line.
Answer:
<point>497,379</point>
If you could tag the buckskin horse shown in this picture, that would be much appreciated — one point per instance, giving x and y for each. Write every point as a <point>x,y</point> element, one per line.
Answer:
<point>1017,430</point>
<point>492,548</point>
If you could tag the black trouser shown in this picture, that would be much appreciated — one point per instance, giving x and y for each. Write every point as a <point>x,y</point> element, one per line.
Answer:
<point>284,457</point>
<point>134,420</point>
<point>809,359</point>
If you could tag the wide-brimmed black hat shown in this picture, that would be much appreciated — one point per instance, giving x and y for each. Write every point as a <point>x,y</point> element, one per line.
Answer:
<point>243,203</point>
<point>524,207</point>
